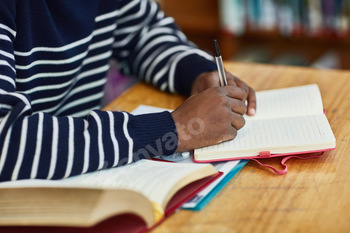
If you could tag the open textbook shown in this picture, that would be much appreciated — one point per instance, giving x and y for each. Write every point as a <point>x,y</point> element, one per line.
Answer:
<point>228,168</point>
<point>288,121</point>
<point>146,190</point>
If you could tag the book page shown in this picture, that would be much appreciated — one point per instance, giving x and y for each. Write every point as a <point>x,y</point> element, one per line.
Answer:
<point>292,101</point>
<point>282,135</point>
<point>153,179</point>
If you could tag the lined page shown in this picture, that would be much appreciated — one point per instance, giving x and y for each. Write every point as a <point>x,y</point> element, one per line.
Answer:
<point>282,135</point>
<point>154,179</point>
<point>301,100</point>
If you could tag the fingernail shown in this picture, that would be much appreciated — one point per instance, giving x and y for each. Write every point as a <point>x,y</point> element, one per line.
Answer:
<point>252,111</point>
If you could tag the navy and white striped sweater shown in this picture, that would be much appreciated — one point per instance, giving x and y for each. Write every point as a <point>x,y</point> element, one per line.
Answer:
<point>54,56</point>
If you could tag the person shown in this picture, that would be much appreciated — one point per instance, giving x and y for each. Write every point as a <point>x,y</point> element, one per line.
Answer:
<point>54,57</point>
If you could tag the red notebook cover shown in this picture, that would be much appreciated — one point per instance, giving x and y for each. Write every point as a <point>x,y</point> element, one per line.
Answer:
<point>267,154</point>
<point>264,155</point>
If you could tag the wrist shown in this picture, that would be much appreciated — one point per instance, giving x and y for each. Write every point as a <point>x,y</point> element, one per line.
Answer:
<point>153,134</point>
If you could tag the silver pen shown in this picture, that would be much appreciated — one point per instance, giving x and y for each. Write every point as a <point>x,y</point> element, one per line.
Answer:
<point>220,65</point>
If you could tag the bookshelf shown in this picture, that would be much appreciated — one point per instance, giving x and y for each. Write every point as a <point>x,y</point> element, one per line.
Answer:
<point>286,37</point>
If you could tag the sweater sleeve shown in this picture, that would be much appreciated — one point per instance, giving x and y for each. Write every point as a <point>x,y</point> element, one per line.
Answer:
<point>34,144</point>
<point>151,47</point>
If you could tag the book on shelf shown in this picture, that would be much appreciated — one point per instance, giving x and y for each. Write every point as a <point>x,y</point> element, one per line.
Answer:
<point>228,168</point>
<point>291,18</point>
<point>132,198</point>
<point>288,121</point>
<point>232,16</point>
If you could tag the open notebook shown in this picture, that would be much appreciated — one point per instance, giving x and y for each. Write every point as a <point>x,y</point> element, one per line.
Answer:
<point>288,121</point>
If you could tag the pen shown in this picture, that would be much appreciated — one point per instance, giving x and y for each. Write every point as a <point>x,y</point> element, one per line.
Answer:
<point>220,65</point>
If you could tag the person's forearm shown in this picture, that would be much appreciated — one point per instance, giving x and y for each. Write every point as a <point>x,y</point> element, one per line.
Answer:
<point>157,51</point>
<point>47,147</point>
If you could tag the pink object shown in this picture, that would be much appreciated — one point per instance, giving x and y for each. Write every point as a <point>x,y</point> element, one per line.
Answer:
<point>116,84</point>
<point>267,154</point>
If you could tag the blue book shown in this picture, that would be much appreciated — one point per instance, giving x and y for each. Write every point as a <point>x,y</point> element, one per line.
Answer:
<point>202,198</point>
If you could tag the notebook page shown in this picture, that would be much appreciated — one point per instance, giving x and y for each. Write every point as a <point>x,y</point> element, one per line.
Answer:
<point>282,135</point>
<point>301,100</point>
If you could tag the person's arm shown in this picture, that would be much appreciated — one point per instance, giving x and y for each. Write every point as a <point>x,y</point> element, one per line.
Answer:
<point>150,46</point>
<point>34,144</point>
<point>158,52</point>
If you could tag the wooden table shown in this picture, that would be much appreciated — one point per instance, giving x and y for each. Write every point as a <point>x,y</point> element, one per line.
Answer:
<point>314,196</point>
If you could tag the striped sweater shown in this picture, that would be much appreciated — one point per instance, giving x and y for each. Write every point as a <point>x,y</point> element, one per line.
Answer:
<point>54,55</point>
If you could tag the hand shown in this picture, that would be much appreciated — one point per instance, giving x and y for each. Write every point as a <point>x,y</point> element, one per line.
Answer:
<point>210,117</point>
<point>211,79</point>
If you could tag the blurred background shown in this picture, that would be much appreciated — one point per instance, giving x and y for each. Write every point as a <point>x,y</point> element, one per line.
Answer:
<point>309,33</point>
<point>313,33</point>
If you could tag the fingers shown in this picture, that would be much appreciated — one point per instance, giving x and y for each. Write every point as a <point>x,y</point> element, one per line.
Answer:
<point>251,108</point>
<point>234,81</point>
<point>238,106</point>
<point>231,80</point>
<point>232,98</point>
<point>238,109</point>
<point>235,92</point>
<point>250,93</point>
<point>242,85</point>
<point>237,121</point>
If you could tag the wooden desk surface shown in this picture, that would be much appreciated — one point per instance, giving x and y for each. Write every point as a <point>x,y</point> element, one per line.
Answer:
<point>314,196</point>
